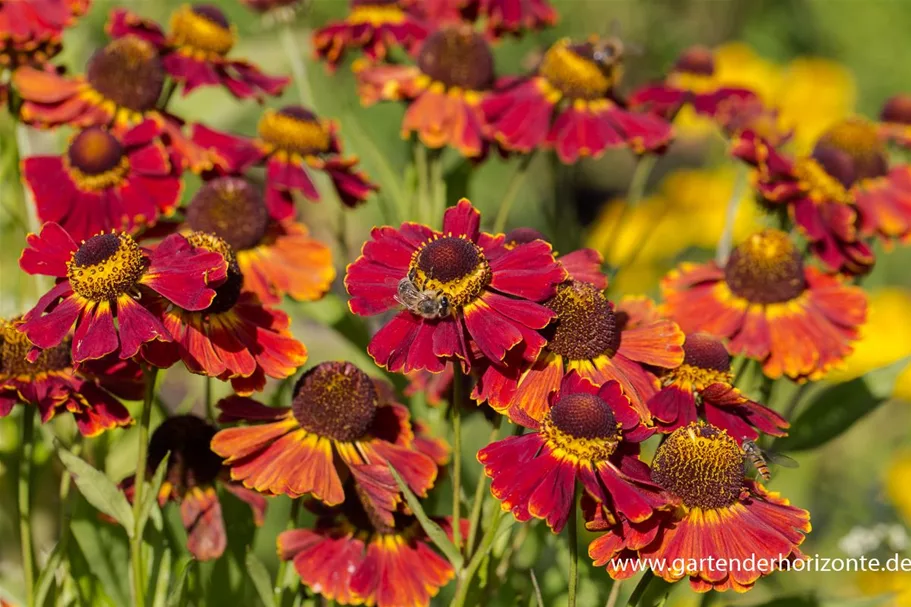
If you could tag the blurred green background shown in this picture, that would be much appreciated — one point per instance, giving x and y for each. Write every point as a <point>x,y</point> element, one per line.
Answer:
<point>818,59</point>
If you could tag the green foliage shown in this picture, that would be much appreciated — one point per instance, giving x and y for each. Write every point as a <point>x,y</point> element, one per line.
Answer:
<point>98,489</point>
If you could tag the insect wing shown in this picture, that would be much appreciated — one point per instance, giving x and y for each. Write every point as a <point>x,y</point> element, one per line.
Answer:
<point>780,459</point>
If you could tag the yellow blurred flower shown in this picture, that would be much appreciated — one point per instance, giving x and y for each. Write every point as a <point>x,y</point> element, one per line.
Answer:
<point>809,93</point>
<point>879,583</point>
<point>688,211</point>
<point>885,339</point>
<point>897,487</point>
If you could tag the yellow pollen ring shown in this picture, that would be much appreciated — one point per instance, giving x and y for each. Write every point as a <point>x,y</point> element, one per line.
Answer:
<point>101,181</point>
<point>695,83</point>
<point>375,15</point>
<point>305,137</point>
<point>690,377</point>
<point>189,29</point>
<point>856,136</point>
<point>820,186</point>
<point>116,273</point>
<point>575,76</point>
<point>577,449</point>
<point>460,291</point>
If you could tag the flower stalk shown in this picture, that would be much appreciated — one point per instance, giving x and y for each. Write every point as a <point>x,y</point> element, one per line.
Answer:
<point>25,515</point>
<point>150,375</point>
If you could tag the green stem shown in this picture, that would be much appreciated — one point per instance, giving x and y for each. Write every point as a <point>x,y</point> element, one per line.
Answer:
<point>727,236</point>
<point>280,581</point>
<point>170,88</point>
<point>478,505</point>
<point>511,193</point>
<point>614,593</point>
<point>640,589</point>
<point>573,556</point>
<point>25,516</point>
<point>490,535</point>
<point>421,206</point>
<point>298,66</point>
<point>458,388</point>
<point>210,405</point>
<point>150,375</point>
<point>437,185</point>
<point>637,184</point>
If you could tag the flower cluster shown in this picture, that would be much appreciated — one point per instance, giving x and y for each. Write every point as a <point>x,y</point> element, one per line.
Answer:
<point>171,244</point>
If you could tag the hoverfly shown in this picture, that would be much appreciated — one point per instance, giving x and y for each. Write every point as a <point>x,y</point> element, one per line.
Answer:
<point>760,459</point>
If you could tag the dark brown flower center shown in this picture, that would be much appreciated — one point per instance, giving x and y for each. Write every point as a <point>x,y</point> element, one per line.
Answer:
<point>585,71</point>
<point>202,27</point>
<point>519,236</point>
<point>698,60</point>
<point>897,109</point>
<point>586,326</point>
<point>336,400</point>
<point>15,346</point>
<point>228,292</point>
<point>706,352</point>
<point>192,462</point>
<point>129,72</point>
<point>766,268</point>
<point>851,150</point>
<point>96,160</point>
<point>459,58</point>
<point>583,426</point>
<point>106,266</point>
<point>453,266</point>
<point>232,209</point>
<point>701,465</point>
<point>295,130</point>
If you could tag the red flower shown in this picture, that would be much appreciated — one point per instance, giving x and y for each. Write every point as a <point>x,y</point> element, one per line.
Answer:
<point>122,84</point>
<point>337,424</point>
<point>814,191</point>
<point>195,50</point>
<point>721,514</point>
<point>51,383</point>
<point>351,558</point>
<point>499,16</point>
<point>690,82</point>
<point>569,104</point>
<point>474,302</point>
<point>109,276</point>
<point>373,26</point>
<point>275,257</point>
<point>597,341</point>
<point>703,384</point>
<point>444,90</point>
<point>235,338</point>
<point>106,180</point>
<point>589,435</point>
<point>31,30</point>
<point>193,474</point>
<point>583,265</point>
<point>290,141</point>
<point>895,120</point>
<point>796,321</point>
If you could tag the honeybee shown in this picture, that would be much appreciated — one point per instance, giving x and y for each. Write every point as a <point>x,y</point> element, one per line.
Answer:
<point>760,459</point>
<point>426,303</point>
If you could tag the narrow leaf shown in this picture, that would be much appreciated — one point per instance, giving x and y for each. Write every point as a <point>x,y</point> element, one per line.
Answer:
<point>47,576</point>
<point>534,582</point>
<point>177,598</point>
<point>161,584</point>
<point>836,408</point>
<point>433,531</point>
<point>261,580</point>
<point>150,494</point>
<point>98,489</point>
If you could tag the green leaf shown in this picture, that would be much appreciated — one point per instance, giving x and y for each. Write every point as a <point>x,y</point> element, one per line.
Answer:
<point>98,489</point>
<point>106,555</point>
<point>161,584</point>
<point>433,531</point>
<point>150,495</point>
<point>261,580</point>
<point>46,578</point>
<point>836,408</point>
<point>177,596</point>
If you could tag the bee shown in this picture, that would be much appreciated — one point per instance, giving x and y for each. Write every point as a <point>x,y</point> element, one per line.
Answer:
<point>426,303</point>
<point>760,459</point>
<point>608,54</point>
